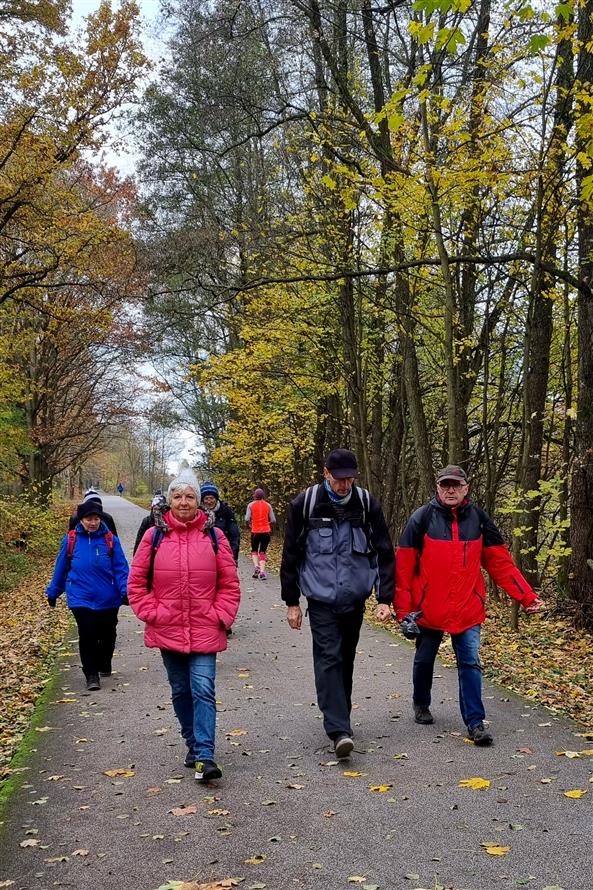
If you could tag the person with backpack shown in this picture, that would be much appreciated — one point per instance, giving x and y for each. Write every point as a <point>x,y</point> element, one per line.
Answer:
<point>440,589</point>
<point>158,506</point>
<point>337,550</point>
<point>224,517</point>
<point>91,494</point>
<point>184,586</point>
<point>259,516</point>
<point>93,571</point>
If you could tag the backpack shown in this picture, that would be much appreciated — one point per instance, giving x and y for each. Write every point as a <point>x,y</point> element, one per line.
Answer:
<point>311,498</point>
<point>158,535</point>
<point>72,543</point>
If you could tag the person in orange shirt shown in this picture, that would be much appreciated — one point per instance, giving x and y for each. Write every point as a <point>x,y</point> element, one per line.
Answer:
<point>259,516</point>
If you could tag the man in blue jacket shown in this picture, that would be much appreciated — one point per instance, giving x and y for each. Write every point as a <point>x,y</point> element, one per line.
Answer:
<point>337,550</point>
<point>93,571</point>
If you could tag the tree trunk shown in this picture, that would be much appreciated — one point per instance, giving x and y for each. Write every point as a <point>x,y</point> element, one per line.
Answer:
<point>581,502</point>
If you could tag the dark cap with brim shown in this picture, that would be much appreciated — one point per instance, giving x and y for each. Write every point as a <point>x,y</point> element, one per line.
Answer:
<point>452,473</point>
<point>342,463</point>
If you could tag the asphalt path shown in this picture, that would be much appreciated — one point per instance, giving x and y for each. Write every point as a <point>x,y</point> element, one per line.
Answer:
<point>286,814</point>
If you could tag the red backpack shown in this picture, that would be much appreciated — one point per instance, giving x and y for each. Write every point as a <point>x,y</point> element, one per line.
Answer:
<point>72,544</point>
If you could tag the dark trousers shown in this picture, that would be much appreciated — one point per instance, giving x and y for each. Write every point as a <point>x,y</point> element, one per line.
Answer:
<point>335,637</point>
<point>96,638</point>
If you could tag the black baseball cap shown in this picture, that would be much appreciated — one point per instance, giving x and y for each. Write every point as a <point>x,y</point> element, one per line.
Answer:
<point>452,473</point>
<point>342,463</point>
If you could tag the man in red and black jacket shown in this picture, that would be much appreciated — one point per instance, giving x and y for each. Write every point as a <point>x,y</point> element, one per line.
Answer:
<point>440,588</point>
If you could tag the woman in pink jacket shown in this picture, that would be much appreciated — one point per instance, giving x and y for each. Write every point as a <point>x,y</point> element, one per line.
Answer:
<point>183,584</point>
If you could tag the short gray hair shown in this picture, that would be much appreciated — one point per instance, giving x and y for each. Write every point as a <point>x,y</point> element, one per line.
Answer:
<point>186,479</point>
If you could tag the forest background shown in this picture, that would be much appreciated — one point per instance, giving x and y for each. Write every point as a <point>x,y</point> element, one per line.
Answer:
<point>350,223</point>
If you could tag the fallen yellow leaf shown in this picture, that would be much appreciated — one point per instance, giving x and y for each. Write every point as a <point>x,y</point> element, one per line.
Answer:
<point>475,784</point>
<point>495,849</point>
<point>115,773</point>
<point>237,732</point>
<point>575,794</point>
<point>380,788</point>
<point>353,774</point>
<point>356,879</point>
<point>256,859</point>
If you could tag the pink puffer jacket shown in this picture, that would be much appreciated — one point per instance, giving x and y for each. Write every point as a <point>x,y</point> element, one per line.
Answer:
<point>195,592</point>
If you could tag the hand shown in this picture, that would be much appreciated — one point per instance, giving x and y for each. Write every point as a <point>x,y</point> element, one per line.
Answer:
<point>383,612</point>
<point>534,607</point>
<point>294,617</point>
<point>51,601</point>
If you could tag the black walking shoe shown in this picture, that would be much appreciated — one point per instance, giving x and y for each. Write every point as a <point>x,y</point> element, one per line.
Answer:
<point>93,682</point>
<point>480,735</point>
<point>207,771</point>
<point>422,714</point>
<point>190,760</point>
<point>343,746</point>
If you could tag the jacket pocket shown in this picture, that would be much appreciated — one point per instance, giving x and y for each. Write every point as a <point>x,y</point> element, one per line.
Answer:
<point>324,539</point>
<point>360,544</point>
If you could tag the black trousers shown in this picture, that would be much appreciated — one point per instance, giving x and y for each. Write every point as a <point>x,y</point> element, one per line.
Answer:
<point>96,638</point>
<point>335,637</point>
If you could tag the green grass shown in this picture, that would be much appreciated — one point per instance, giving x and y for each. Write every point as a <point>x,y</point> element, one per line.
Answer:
<point>28,745</point>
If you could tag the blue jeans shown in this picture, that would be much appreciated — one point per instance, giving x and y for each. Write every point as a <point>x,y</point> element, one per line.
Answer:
<point>466,646</point>
<point>191,677</point>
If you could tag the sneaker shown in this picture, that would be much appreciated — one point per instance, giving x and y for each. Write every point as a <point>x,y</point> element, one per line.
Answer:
<point>190,760</point>
<point>262,576</point>
<point>480,735</point>
<point>255,573</point>
<point>343,745</point>
<point>93,682</point>
<point>422,715</point>
<point>207,770</point>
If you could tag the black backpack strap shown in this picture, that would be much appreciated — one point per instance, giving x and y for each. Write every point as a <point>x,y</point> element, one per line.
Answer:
<point>365,500</point>
<point>157,537</point>
<point>309,502</point>
<point>211,532</point>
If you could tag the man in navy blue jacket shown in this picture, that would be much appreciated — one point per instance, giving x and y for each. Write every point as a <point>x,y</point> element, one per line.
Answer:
<point>337,550</point>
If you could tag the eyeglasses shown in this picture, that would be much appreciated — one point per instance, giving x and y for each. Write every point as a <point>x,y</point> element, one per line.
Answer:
<point>449,484</point>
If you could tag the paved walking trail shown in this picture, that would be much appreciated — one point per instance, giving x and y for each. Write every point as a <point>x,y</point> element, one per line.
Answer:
<point>286,814</point>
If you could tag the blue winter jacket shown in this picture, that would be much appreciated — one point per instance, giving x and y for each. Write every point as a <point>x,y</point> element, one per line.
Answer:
<point>96,580</point>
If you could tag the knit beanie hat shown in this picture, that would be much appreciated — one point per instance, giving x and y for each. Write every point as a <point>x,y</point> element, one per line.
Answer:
<point>186,479</point>
<point>258,494</point>
<point>209,488</point>
<point>91,494</point>
<point>89,508</point>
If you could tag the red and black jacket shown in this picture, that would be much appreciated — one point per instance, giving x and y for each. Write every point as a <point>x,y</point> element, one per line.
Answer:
<point>438,567</point>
